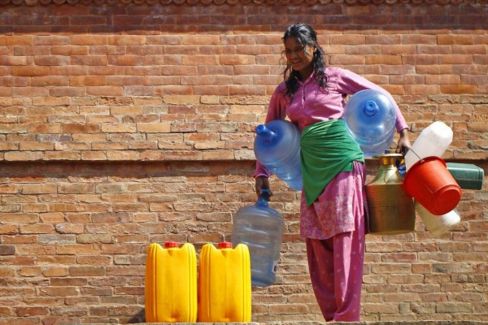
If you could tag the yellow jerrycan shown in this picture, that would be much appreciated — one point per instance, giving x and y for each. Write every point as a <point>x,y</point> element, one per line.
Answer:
<point>171,283</point>
<point>224,283</point>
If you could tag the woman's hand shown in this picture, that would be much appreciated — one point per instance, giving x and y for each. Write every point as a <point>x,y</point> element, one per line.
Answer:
<point>403,142</point>
<point>261,184</point>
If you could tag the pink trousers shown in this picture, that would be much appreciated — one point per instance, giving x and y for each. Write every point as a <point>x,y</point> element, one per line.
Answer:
<point>336,271</point>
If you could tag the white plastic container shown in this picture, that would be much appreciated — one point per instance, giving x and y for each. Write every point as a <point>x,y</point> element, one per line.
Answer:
<point>432,141</point>
<point>435,224</point>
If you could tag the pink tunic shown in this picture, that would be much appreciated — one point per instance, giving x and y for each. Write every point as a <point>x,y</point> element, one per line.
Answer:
<point>309,105</point>
<point>336,209</point>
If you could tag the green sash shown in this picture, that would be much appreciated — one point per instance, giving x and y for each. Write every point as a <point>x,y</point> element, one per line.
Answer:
<point>327,149</point>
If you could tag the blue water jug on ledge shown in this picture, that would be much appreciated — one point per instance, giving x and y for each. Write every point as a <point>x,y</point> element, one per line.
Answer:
<point>370,117</point>
<point>260,227</point>
<point>277,147</point>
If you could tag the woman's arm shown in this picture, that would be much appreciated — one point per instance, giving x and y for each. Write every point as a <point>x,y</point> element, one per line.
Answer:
<point>403,144</point>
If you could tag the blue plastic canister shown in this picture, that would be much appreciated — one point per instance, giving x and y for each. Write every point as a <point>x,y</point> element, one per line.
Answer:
<point>277,147</point>
<point>370,117</point>
<point>260,227</point>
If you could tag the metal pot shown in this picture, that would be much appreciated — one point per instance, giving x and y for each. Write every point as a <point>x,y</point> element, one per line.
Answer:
<point>391,210</point>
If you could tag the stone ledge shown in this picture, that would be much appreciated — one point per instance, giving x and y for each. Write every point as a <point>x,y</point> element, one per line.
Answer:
<point>414,322</point>
<point>190,156</point>
<point>129,155</point>
<point>234,2</point>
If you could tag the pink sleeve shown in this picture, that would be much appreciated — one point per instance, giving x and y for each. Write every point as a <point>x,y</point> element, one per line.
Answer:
<point>276,110</point>
<point>349,83</point>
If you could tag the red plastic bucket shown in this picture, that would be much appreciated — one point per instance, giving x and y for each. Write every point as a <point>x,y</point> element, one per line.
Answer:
<point>432,185</point>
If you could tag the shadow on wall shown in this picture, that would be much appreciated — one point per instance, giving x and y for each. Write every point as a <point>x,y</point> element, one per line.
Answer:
<point>137,318</point>
<point>144,169</point>
<point>136,169</point>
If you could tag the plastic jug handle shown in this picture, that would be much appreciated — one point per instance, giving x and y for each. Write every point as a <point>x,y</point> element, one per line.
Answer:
<point>264,195</point>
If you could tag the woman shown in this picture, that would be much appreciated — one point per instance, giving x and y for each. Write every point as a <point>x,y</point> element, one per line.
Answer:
<point>332,218</point>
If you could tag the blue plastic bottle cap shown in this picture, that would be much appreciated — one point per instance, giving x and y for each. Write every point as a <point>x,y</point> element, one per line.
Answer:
<point>371,108</point>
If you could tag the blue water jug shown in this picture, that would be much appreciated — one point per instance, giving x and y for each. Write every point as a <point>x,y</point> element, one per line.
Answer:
<point>277,147</point>
<point>370,118</point>
<point>260,227</point>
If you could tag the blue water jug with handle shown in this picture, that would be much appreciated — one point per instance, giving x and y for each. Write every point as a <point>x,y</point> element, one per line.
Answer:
<point>370,117</point>
<point>277,147</point>
<point>260,227</point>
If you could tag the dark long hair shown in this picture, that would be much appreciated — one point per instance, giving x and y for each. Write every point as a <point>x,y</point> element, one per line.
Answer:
<point>305,35</point>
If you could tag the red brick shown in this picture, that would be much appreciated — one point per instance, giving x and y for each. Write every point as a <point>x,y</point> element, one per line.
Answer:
<point>59,291</point>
<point>36,229</point>
<point>458,89</point>
<point>455,39</point>
<point>86,271</point>
<point>30,71</point>
<point>18,40</point>
<point>31,311</point>
<point>7,250</point>
<point>69,228</point>
<point>6,311</point>
<point>55,271</point>
<point>8,229</point>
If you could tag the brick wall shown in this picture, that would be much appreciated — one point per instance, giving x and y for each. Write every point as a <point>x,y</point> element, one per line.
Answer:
<point>127,123</point>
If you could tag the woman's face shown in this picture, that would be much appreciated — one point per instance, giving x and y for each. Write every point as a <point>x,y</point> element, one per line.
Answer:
<point>298,56</point>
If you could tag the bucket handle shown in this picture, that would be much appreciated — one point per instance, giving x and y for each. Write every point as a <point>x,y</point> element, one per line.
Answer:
<point>416,154</point>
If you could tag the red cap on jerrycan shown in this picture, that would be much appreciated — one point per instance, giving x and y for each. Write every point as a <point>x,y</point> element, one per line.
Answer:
<point>224,244</point>
<point>170,244</point>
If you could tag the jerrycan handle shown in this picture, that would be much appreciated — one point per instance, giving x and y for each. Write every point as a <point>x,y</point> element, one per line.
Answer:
<point>263,198</point>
